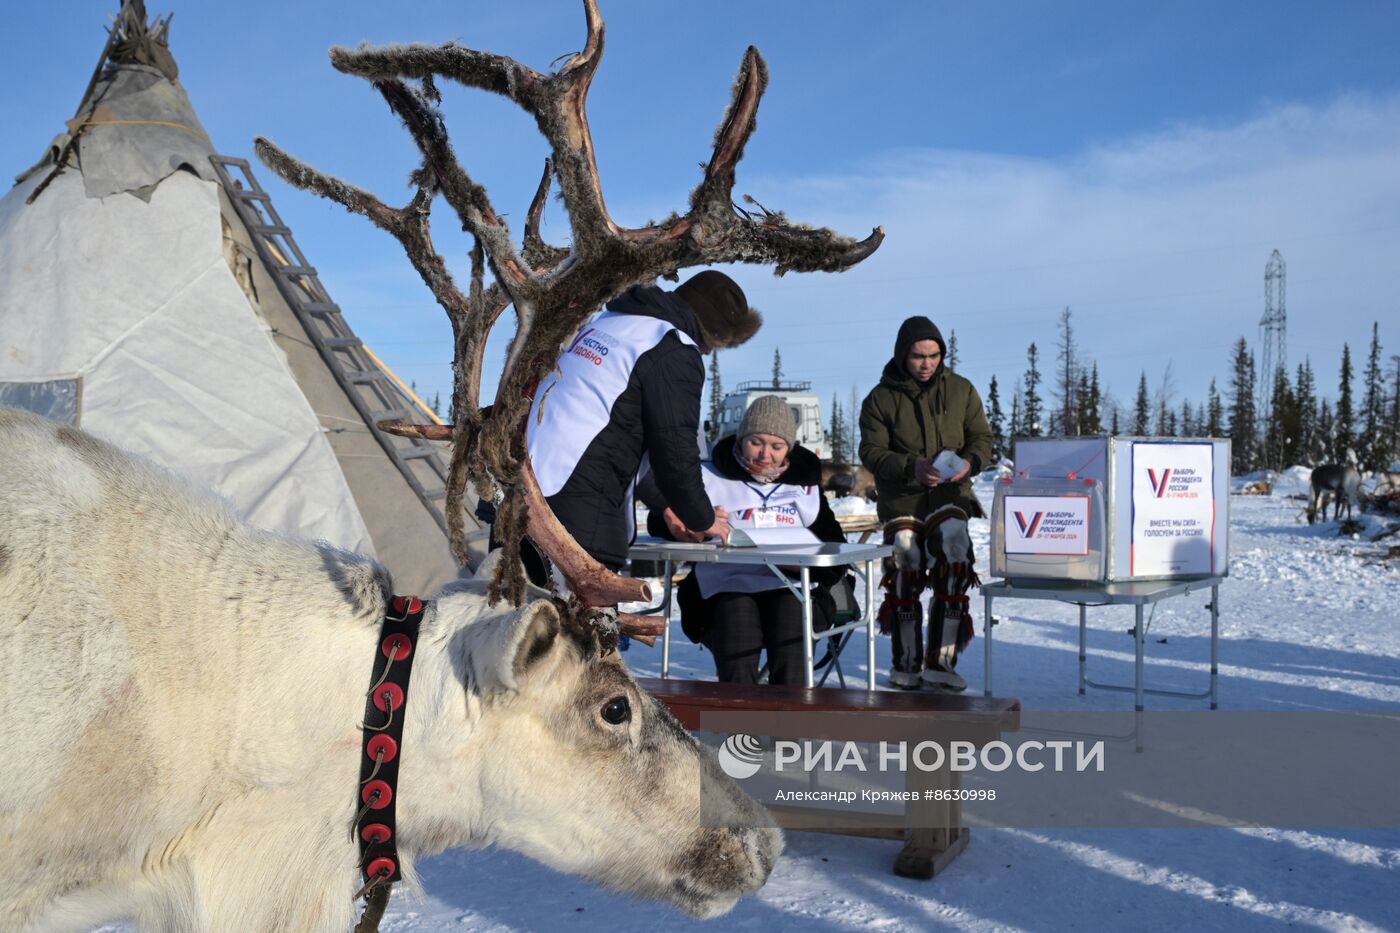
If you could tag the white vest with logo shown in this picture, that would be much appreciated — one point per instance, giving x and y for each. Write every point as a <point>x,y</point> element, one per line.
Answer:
<point>752,504</point>
<point>574,403</point>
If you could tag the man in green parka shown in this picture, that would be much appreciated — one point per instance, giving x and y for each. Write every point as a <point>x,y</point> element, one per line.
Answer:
<point>919,410</point>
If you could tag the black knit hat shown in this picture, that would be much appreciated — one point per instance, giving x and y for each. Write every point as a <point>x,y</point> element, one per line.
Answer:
<point>911,332</point>
<point>720,309</point>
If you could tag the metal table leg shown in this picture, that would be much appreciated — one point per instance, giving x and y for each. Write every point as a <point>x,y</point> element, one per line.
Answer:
<point>1083,653</point>
<point>808,676</point>
<point>1214,642</point>
<point>986,643</point>
<point>870,625</point>
<point>667,571</point>
<point>1138,639</point>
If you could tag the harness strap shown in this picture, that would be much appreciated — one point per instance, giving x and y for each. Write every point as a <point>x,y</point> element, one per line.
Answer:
<point>376,799</point>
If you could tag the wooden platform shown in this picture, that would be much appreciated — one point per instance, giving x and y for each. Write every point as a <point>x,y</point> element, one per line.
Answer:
<point>863,525</point>
<point>932,831</point>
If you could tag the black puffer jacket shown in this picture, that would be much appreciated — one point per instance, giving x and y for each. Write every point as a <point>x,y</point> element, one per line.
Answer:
<point>657,414</point>
<point>804,469</point>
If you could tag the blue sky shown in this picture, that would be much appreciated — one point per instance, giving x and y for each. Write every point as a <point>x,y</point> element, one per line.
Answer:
<point>1136,162</point>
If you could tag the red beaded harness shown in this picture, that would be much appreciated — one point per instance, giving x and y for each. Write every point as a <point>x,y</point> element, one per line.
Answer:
<point>379,765</point>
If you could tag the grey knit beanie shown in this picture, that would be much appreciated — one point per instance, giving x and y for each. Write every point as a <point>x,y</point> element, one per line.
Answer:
<point>769,414</point>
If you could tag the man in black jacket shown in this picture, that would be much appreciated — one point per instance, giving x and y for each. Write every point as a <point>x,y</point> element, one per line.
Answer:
<point>627,388</point>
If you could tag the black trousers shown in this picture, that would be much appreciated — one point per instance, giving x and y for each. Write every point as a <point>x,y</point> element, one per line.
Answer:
<point>744,625</point>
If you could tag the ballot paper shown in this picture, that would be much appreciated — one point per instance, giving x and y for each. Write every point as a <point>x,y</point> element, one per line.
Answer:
<point>948,464</point>
<point>762,537</point>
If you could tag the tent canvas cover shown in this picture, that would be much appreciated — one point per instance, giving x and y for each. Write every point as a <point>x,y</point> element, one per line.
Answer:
<point>150,295</point>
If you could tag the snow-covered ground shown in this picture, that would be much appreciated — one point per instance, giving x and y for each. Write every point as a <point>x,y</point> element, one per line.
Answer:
<point>1309,622</point>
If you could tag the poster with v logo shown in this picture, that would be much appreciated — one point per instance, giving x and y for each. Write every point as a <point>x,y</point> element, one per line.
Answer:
<point>1173,509</point>
<point>1046,525</point>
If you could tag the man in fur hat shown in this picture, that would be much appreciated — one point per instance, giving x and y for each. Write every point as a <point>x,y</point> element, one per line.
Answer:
<point>628,387</point>
<point>919,411</point>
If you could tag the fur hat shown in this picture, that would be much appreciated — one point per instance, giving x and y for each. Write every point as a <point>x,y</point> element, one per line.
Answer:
<point>720,309</point>
<point>769,414</point>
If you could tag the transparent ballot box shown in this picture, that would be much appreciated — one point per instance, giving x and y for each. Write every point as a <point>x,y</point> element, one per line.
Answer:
<point>1049,529</point>
<point>1149,508</point>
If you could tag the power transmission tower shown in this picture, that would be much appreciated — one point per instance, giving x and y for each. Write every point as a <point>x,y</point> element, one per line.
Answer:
<point>1273,336</point>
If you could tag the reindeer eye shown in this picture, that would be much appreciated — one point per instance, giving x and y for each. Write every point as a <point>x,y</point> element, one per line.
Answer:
<point>617,711</point>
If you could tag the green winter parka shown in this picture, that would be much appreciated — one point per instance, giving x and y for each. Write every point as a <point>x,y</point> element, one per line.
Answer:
<point>903,419</point>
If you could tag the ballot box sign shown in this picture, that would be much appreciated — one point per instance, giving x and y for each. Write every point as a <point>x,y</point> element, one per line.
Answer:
<point>1173,505</point>
<point>1046,525</point>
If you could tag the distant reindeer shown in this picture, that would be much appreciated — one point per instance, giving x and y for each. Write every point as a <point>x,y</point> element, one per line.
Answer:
<point>1387,483</point>
<point>844,479</point>
<point>1341,483</point>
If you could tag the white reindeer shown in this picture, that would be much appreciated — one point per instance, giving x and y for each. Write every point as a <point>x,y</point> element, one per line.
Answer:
<point>182,697</point>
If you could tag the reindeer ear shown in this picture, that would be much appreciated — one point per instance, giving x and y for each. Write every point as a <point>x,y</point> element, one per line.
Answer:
<point>536,632</point>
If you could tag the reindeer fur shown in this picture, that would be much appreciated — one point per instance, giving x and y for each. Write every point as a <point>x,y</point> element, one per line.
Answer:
<point>183,695</point>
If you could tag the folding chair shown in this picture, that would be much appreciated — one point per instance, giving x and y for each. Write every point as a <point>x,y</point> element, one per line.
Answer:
<point>844,595</point>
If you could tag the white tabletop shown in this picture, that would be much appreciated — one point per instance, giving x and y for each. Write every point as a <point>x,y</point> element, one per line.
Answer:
<point>788,555</point>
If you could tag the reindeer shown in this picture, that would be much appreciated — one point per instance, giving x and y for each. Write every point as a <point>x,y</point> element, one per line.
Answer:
<point>1341,483</point>
<point>847,480</point>
<point>184,696</point>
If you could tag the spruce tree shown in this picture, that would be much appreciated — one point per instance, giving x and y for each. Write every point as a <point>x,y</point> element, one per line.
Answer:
<point>1030,418</point>
<point>996,419</point>
<point>839,454</point>
<point>1082,401</point>
<point>1113,428</point>
<point>1305,408</point>
<point>1324,434</point>
<point>716,396</point>
<point>1344,432</point>
<point>777,367</point>
<point>1281,434</point>
<point>1066,375</point>
<point>1394,432</point>
<point>1374,449</point>
<point>1097,394</point>
<point>1215,413</point>
<point>1184,423</point>
<point>1242,428</point>
<point>1093,409</point>
<point>951,359</point>
<point>1141,412</point>
<point>1013,430</point>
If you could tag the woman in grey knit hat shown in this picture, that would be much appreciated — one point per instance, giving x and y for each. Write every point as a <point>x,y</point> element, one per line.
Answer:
<point>763,479</point>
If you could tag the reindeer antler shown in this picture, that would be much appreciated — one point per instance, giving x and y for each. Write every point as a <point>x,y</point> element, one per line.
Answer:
<point>553,290</point>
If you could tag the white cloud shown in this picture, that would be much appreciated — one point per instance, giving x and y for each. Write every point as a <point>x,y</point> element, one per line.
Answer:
<point>1157,242</point>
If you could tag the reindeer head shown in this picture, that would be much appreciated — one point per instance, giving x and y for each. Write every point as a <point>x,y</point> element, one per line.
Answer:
<point>553,290</point>
<point>569,762</point>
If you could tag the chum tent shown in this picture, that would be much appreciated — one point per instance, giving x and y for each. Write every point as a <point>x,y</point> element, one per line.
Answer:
<point>150,294</point>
